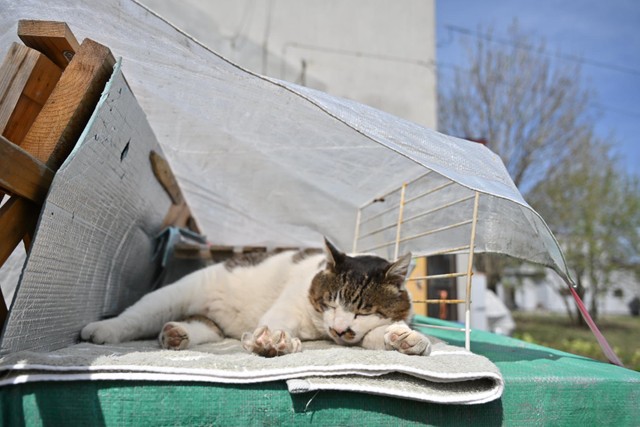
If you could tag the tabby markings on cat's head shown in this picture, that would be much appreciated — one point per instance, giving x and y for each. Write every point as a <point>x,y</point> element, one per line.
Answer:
<point>356,294</point>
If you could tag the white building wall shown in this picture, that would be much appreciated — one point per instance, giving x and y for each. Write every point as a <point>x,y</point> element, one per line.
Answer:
<point>378,52</point>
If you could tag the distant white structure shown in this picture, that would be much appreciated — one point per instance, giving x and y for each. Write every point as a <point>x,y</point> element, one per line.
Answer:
<point>498,316</point>
<point>543,292</point>
<point>377,52</point>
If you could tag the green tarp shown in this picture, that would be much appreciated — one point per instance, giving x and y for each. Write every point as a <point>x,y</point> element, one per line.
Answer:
<point>543,387</point>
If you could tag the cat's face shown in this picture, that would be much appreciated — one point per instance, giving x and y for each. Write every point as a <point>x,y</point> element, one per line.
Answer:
<point>357,294</point>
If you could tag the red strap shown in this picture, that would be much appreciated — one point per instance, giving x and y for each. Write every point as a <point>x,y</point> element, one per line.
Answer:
<point>606,348</point>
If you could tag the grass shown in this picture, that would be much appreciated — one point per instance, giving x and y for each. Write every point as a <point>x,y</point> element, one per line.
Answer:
<point>557,331</point>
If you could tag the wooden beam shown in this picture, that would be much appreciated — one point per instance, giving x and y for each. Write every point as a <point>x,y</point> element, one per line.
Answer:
<point>22,174</point>
<point>67,111</point>
<point>54,39</point>
<point>27,78</point>
<point>18,217</point>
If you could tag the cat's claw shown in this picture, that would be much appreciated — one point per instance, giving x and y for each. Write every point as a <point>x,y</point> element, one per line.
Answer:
<point>173,337</point>
<point>407,341</point>
<point>266,343</point>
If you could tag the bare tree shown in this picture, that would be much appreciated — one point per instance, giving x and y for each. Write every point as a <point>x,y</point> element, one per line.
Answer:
<point>528,110</point>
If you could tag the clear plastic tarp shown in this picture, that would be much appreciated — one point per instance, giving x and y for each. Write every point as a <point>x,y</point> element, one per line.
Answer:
<point>265,162</point>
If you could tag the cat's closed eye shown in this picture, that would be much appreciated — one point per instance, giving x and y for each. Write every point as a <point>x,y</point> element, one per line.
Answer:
<point>364,313</point>
<point>367,310</point>
<point>331,304</point>
<point>328,301</point>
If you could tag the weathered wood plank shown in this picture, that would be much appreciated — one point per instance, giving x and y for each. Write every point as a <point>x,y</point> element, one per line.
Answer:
<point>164,175</point>
<point>54,39</point>
<point>67,111</point>
<point>18,217</point>
<point>27,78</point>
<point>179,214</point>
<point>22,174</point>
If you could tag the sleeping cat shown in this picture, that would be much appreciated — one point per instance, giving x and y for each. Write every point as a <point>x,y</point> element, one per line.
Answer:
<point>284,299</point>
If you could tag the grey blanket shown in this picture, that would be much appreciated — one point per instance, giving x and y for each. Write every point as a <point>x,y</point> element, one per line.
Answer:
<point>449,375</point>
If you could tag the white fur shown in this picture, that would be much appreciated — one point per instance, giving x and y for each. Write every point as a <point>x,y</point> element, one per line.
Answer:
<point>273,293</point>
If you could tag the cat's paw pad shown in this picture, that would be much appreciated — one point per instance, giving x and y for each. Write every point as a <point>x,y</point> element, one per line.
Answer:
<point>266,343</point>
<point>406,340</point>
<point>102,332</point>
<point>173,337</point>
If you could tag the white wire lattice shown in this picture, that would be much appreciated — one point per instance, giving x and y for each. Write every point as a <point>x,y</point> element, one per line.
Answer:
<point>382,225</point>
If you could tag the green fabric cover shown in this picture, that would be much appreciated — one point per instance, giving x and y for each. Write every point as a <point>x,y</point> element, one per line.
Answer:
<point>543,387</point>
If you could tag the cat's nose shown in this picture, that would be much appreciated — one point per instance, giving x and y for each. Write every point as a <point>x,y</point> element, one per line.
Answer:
<point>340,332</point>
<point>337,332</point>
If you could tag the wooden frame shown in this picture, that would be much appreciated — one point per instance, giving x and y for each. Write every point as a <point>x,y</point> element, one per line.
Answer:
<point>49,88</point>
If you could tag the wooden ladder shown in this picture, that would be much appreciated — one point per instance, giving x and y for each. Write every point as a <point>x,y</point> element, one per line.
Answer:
<point>49,87</point>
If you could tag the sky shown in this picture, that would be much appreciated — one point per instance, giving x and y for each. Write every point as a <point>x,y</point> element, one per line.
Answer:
<point>604,34</point>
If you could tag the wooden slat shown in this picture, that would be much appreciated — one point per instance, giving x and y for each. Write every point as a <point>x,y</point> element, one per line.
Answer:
<point>27,78</point>
<point>22,174</point>
<point>418,288</point>
<point>179,214</point>
<point>18,217</point>
<point>165,177</point>
<point>67,111</point>
<point>54,39</point>
<point>252,249</point>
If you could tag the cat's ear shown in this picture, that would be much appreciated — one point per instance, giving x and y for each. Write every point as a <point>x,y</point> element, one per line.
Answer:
<point>334,256</point>
<point>399,268</point>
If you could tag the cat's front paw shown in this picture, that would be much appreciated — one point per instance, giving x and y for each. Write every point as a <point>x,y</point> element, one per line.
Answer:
<point>266,343</point>
<point>102,332</point>
<point>173,337</point>
<point>407,341</point>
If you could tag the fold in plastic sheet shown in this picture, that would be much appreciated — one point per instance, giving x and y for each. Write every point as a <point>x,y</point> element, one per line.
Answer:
<point>263,162</point>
